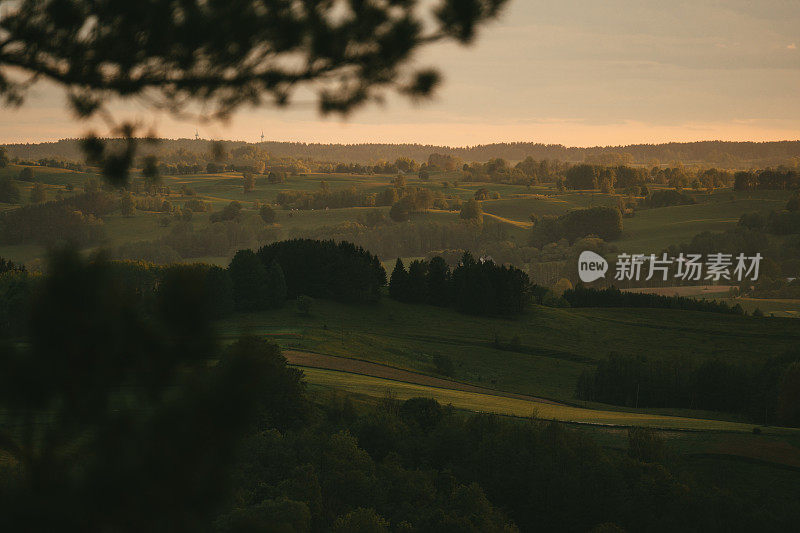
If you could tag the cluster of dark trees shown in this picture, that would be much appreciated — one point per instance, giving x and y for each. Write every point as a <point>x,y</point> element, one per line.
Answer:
<point>785,222</point>
<point>416,465</point>
<point>474,287</point>
<point>604,222</point>
<point>666,198</point>
<point>326,269</point>
<point>9,192</point>
<point>765,391</point>
<point>327,198</point>
<point>582,296</point>
<point>773,179</point>
<point>232,211</point>
<point>75,220</point>
<point>605,178</point>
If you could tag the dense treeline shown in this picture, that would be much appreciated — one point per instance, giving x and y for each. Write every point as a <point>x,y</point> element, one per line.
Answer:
<point>499,170</point>
<point>474,287</point>
<point>70,220</point>
<point>765,391</point>
<point>601,221</point>
<point>775,222</point>
<point>716,153</point>
<point>780,179</point>
<point>326,269</point>
<point>604,178</point>
<point>582,296</point>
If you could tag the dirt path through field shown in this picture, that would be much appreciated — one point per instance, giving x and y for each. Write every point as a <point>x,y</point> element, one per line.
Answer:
<point>344,364</point>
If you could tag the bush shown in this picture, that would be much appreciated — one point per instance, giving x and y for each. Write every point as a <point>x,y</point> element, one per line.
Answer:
<point>666,198</point>
<point>26,174</point>
<point>267,214</point>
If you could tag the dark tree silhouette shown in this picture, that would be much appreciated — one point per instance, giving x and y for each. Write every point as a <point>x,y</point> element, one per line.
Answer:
<point>225,54</point>
<point>105,398</point>
<point>251,289</point>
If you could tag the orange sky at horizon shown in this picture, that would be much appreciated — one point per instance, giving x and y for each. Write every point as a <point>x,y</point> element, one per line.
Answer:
<point>576,73</point>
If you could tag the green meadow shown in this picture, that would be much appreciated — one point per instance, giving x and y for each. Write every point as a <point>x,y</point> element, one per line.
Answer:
<point>539,354</point>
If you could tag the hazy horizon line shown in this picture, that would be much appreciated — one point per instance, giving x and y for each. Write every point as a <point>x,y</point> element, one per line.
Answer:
<point>387,143</point>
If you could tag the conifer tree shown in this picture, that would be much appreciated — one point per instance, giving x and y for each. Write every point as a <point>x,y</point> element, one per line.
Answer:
<point>398,283</point>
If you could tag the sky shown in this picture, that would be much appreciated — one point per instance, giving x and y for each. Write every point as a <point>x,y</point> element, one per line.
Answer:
<point>572,72</point>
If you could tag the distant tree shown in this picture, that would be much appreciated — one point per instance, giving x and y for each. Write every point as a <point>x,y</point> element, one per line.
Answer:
<point>400,211</point>
<point>398,282</point>
<point>249,182</point>
<point>9,192</point>
<point>214,168</point>
<point>387,196</point>
<point>232,211</point>
<point>38,194</point>
<point>267,214</point>
<point>374,218</point>
<point>250,281</point>
<point>582,177</point>
<point>405,164</point>
<point>3,158</point>
<point>424,175</point>
<point>471,210</point>
<point>482,194</point>
<point>26,174</point>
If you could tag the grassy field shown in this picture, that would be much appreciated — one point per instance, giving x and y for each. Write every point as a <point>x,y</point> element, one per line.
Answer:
<point>471,401</point>
<point>649,231</point>
<point>539,354</point>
